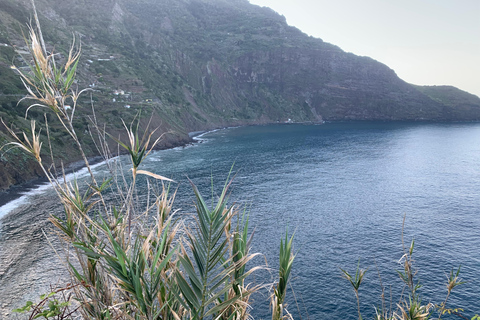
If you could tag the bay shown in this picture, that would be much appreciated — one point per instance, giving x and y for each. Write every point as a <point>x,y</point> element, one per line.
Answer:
<point>343,188</point>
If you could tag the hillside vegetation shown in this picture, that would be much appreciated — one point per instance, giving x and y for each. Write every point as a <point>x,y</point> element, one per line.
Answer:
<point>201,64</point>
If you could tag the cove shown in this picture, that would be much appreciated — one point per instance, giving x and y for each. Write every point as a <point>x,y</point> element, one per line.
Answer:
<point>344,189</point>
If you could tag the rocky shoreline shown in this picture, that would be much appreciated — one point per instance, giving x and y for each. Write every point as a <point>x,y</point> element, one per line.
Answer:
<point>35,180</point>
<point>15,191</point>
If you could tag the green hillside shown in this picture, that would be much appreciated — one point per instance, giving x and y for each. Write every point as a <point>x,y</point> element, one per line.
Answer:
<point>201,64</point>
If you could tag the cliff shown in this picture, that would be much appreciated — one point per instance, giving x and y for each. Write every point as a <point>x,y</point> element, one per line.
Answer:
<point>200,64</point>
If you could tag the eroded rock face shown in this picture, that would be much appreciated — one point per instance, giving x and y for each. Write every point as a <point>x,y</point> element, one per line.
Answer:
<point>201,64</point>
<point>336,85</point>
<point>240,64</point>
<point>12,173</point>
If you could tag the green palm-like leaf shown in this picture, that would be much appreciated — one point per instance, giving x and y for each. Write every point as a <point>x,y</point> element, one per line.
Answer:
<point>209,269</point>
<point>138,272</point>
<point>357,280</point>
<point>286,258</point>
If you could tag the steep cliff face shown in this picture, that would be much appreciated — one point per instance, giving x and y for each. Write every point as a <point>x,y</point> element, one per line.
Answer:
<point>337,86</point>
<point>201,64</point>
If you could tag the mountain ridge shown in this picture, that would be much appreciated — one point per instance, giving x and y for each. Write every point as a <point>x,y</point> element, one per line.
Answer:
<point>203,64</point>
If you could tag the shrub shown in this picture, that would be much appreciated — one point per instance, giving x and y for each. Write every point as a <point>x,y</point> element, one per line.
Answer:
<point>127,260</point>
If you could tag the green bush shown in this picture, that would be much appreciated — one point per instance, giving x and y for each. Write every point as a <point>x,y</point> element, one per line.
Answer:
<point>132,260</point>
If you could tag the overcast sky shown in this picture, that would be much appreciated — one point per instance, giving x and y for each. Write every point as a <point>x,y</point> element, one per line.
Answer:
<point>426,42</point>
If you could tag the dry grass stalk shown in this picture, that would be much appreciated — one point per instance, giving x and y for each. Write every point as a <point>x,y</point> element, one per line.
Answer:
<point>123,257</point>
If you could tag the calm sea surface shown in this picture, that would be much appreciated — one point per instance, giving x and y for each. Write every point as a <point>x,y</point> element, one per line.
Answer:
<point>344,189</point>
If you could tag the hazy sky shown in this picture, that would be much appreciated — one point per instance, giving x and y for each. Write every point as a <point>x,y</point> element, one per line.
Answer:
<point>426,42</point>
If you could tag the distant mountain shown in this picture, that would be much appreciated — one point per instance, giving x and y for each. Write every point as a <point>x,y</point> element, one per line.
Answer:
<point>201,64</point>
<point>461,104</point>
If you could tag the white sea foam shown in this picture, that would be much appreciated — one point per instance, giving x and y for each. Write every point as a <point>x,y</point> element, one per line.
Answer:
<point>10,206</point>
<point>202,134</point>
<point>25,198</point>
<point>27,195</point>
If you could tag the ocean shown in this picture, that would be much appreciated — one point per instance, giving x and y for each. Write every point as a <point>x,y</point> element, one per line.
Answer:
<point>342,188</point>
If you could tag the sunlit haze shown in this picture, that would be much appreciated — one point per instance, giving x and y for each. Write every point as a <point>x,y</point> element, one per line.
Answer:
<point>426,42</point>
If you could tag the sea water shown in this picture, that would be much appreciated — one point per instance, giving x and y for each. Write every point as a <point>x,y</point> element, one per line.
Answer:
<point>342,188</point>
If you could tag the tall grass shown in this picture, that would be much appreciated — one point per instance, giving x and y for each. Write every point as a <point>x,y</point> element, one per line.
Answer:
<point>127,260</point>
<point>410,305</point>
<point>279,293</point>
